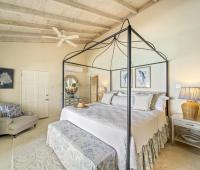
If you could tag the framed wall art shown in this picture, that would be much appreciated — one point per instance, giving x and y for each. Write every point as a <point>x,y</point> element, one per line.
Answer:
<point>6,78</point>
<point>143,77</point>
<point>124,79</point>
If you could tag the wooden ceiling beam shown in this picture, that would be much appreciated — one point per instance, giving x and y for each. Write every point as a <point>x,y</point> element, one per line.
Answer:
<point>86,8</point>
<point>44,27</point>
<point>34,35</point>
<point>51,16</point>
<point>147,5</point>
<point>34,40</point>
<point>127,6</point>
<point>141,8</point>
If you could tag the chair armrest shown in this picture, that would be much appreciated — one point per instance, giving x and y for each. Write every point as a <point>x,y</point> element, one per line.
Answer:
<point>4,123</point>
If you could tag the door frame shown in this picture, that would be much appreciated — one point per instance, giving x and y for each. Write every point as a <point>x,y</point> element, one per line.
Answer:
<point>21,74</point>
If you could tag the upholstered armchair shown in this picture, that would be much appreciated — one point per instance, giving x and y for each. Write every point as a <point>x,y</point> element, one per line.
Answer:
<point>13,121</point>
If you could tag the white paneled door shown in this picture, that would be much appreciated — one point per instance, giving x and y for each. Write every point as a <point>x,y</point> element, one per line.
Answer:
<point>34,95</point>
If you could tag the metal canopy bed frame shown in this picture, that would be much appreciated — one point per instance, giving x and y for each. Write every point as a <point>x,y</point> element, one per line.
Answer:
<point>129,29</point>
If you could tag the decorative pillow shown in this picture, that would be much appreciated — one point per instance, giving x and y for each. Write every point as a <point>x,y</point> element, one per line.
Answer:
<point>154,99</point>
<point>107,97</point>
<point>161,103</point>
<point>124,93</point>
<point>121,101</point>
<point>10,110</point>
<point>3,110</point>
<point>1,114</point>
<point>121,93</point>
<point>142,101</point>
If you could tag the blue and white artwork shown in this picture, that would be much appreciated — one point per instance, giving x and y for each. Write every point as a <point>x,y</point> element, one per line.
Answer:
<point>6,78</point>
<point>124,79</point>
<point>143,77</point>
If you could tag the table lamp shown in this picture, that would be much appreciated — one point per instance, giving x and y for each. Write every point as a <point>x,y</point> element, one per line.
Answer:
<point>190,108</point>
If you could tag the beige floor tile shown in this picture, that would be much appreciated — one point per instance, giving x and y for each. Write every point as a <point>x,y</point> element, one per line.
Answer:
<point>8,143</point>
<point>173,157</point>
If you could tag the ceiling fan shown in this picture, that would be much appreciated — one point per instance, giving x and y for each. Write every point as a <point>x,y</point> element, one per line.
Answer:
<point>62,38</point>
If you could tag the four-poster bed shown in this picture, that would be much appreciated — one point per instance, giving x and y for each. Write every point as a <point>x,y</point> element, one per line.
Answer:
<point>115,42</point>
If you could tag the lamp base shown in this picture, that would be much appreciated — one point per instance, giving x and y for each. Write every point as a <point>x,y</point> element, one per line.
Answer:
<point>190,110</point>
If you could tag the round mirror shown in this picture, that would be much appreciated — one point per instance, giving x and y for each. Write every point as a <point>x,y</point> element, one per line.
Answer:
<point>71,85</point>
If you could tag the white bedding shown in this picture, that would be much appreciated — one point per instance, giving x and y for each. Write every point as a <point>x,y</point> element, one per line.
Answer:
<point>108,123</point>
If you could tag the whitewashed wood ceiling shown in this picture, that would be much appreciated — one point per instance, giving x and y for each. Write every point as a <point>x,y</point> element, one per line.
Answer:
<point>28,20</point>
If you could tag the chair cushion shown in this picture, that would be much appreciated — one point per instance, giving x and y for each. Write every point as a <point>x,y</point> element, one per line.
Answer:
<point>22,121</point>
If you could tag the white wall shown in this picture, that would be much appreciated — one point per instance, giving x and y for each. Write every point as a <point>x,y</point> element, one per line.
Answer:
<point>31,56</point>
<point>174,28</point>
<point>172,25</point>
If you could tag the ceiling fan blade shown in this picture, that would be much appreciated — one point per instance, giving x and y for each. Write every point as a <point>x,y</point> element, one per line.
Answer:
<point>51,37</point>
<point>60,42</point>
<point>71,43</point>
<point>57,31</point>
<point>71,37</point>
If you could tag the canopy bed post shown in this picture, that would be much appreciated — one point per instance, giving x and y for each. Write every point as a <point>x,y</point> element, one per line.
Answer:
<point>167,86</point>
<point>63,82</point>
<point>128,99</point>
<point>110,80</point>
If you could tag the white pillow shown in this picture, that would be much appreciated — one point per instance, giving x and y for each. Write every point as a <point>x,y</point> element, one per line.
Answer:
<point>161,103</point>
<point>121,93</point>
<point>142,101</point>
<point>121,101</point>
<point>107,97</point>
<point>124,93</point>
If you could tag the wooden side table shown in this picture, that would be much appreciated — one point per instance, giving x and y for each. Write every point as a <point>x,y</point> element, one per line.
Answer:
<point>186,126</point>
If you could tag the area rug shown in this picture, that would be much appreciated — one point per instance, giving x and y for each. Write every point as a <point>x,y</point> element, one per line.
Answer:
<point>35,155</point>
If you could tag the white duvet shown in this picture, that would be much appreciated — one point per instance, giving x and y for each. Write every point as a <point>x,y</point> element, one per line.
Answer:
<point>108,123</point>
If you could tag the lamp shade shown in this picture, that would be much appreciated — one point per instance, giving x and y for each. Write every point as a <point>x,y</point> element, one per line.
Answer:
<point>190,93</point>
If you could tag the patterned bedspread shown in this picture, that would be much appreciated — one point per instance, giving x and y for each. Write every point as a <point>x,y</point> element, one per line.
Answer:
<point>108,123</point>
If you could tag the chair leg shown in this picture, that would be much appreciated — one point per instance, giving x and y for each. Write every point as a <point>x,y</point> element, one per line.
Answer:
<point>34,125</point>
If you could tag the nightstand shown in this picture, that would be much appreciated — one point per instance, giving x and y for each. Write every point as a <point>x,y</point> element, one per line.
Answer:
<point>182,126</point>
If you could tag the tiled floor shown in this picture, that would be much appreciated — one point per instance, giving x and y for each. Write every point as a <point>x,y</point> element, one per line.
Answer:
<point>176,157</point>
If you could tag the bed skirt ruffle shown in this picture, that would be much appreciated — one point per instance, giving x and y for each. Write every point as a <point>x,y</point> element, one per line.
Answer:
<point>149,154</point>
